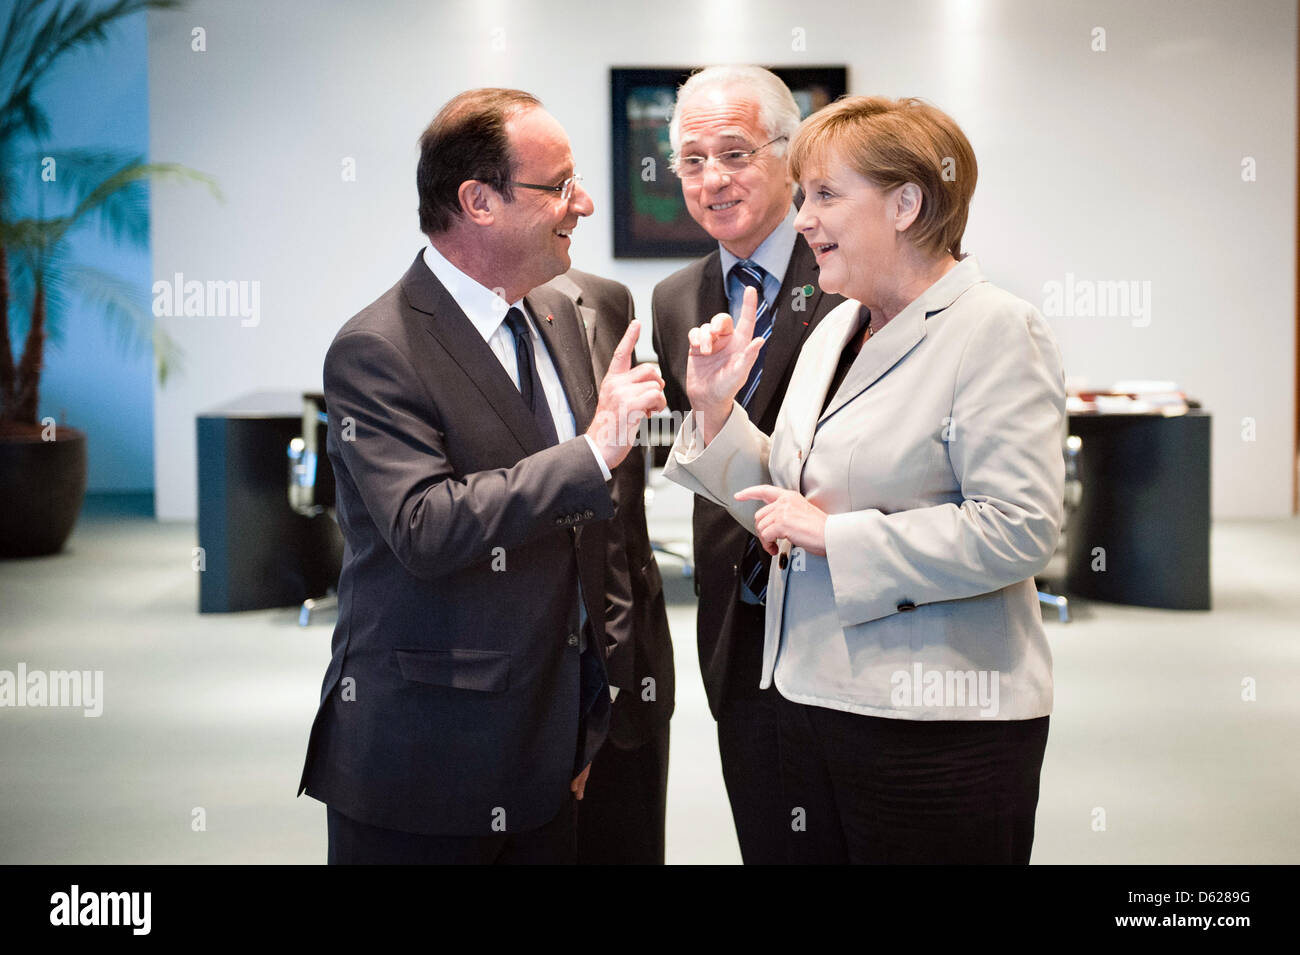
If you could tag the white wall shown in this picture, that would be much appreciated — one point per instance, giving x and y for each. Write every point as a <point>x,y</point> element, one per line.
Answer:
<point>1115,165</point>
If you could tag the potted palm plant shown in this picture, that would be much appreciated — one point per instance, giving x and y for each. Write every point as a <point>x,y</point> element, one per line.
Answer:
<point>43,464</point>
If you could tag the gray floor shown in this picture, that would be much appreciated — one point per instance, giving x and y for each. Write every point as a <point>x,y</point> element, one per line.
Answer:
<point>212,713</point>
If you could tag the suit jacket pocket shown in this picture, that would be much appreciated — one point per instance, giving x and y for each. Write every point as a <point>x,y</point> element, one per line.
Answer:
<point>485,670</point>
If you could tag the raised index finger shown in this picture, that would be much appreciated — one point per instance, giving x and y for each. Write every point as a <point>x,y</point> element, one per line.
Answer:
<point>748,313</point>
<point>622,359</point>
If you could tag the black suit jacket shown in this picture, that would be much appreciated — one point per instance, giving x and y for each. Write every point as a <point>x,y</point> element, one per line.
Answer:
<point>642,664</point>
<point>451,702</point>
<point>684,300</point>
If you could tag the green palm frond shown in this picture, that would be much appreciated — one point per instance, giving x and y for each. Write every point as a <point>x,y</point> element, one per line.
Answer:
<point>120,203</point>
<point>76,173</point>
<point>32,237</point>
<point>168,357</point>
<point>99,187</point>
<point>118,200</point>
<point>37,33</point>
<point>18,108</point>
<point>72,288</point>
<point>118,301</point>
<point>24,268</point>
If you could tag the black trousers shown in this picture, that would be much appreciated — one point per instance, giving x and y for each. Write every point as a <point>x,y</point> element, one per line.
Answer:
<point>355,843</point>
<point>622,812</point>
<point>866,789</point>
<point>747,744</point>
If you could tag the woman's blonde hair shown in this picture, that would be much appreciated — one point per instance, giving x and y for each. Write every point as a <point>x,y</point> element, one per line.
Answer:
<point>891,142</point>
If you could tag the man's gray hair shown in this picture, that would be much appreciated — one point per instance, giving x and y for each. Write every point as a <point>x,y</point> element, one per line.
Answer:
<point>777,110</point>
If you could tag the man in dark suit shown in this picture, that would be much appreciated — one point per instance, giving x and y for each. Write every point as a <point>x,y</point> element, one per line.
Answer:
<point>621,819</point>
<point>467,693</point>
<point>729,129</point>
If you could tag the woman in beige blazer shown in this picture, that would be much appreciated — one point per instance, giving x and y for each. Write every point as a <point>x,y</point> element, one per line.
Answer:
<point>910,492</point>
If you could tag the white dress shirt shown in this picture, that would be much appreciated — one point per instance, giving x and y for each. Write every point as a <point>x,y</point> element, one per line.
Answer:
<point>487,313</point>
<point>772,255</point>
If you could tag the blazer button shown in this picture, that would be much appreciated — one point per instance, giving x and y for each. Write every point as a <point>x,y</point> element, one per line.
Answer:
<point>573,640</point>
<point>905,606</point>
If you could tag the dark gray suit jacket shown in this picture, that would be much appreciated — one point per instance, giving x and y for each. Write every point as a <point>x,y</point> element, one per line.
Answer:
<point>682,301</point>
<point>645,648</point>
<point>452,700</point>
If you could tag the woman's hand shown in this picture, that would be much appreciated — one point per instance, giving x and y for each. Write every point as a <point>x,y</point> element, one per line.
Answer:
<point>719,362</point>
<point>787,514</point>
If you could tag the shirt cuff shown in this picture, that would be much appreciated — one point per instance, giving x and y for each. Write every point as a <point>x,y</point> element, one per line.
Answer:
<point>600,458</point>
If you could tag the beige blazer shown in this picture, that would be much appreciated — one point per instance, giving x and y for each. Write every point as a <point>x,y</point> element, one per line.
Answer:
<point>939,461</point>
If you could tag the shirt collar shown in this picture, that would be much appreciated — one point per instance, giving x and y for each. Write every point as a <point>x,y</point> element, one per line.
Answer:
<point>773,253</point>
<point>481,305</point>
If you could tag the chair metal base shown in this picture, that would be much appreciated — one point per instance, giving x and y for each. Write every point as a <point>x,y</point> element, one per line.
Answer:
<point>677,551</point>
<point>328,602</point>
<point>1062,604</point>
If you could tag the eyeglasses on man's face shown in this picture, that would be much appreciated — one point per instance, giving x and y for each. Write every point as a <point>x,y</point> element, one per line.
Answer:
<point>564,190</point>
<point>732,161</point>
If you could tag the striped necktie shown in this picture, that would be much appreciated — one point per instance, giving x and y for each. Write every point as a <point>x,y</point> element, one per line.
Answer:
<point>752,276</point>
<point>754,563</point>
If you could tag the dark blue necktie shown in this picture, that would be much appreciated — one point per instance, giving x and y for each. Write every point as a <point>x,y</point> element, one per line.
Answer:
<point>752,276</point>
<point>754,563</point>
<point>530,384</point>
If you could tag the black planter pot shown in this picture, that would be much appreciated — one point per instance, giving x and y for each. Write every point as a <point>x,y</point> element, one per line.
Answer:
<point>42,484</point>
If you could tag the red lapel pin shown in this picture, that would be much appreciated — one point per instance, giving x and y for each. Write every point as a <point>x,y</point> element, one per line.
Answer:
<point>548,320</point>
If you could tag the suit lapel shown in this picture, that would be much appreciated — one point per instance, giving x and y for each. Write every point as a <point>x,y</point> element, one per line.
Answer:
<point>809,402</point>
<point>460,339</point>
<point>891,344</point>
<point>881,352</point>
<point>789,326</point>
<point>712,291</point>
<point>589,323</point>
<point>563,283</point>
<point>571,359</point>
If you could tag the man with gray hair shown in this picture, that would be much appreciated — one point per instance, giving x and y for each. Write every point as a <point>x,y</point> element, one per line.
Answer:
<point>729,131</point>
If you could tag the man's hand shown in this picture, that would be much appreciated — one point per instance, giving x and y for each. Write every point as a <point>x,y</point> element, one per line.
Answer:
<point>580,783</point>
<point>627,395</point>
<point>787,514</point>
<point>719,362</point>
